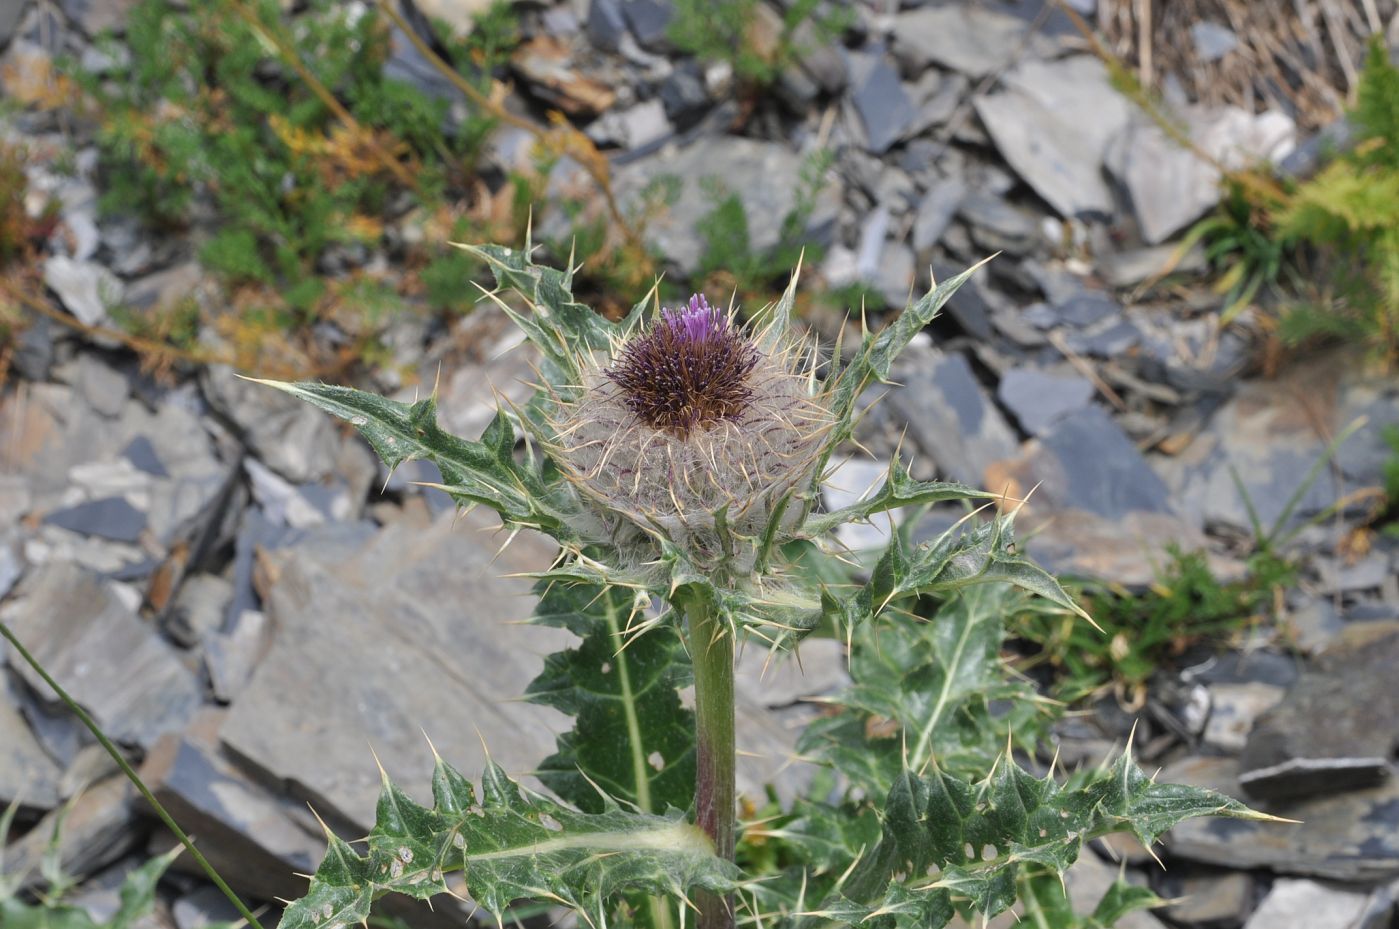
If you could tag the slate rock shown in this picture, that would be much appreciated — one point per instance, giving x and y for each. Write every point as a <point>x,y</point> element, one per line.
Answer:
<point>143,456</point>
<point>996,225</point>
<point>764,175</point>
<point>1086,307</point>
<point>1270,433</point>
<point>1053,122</point>
<point>936,211</point>
<point>635,128</point>
<point>1089,879</point>
<point>1096,468</point>
<point>881,102</point>
<point>1338,726</point>
<point>1234,708</point>
<point>684,95</point>
<point>1325,906</point>
<point>205,905</point>
<point>352,628</point>
<point>103,387</point>
<point>648,21</point>
<point>897,274</point>
<point>1350,836</point>
<point>97,828</point>
<point>98,16</point>
<point>1169,185</point>
<point>131,682</point>
<point>111,518</point>
<point>1038,399</point>
<point>85,288</point>
<point>232,655</point>
<point>257,840</point>
<point>290,436</point>
<point>970,305</point>
<point>27,773</point>
<point>950,415</point>
<point>1210,901</point>
<point>972,39</point>
<point>606,24</point>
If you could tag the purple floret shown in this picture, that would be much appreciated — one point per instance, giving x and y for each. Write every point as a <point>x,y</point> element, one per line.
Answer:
<point>688,370</point>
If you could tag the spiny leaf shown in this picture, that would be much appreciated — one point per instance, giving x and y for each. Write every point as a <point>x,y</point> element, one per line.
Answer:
<point>899,489</point>
<point>949,843</point>
<point>483,471</point>
<point>631,736</point>
<point>925,689</point>
<point>511,845</point>
<point>559,327</point>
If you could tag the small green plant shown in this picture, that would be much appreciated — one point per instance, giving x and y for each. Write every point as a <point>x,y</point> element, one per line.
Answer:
<point>752,39</point>
<point>1186,605</point>
<point>1241,247</point>
<point>48,908</point>
<point>677,457</point>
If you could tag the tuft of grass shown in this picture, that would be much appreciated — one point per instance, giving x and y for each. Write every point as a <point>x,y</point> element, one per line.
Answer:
<point>1186,605</point>
<point>755,43</point>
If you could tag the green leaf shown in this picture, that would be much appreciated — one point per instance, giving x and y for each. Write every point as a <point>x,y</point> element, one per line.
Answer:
<point>473,472</point>
<point>561,328</point>
<point>951,844</point>
<point>925,689</point>
<point>631,737</point>
<point>511,845</point>
<point>899,489</point>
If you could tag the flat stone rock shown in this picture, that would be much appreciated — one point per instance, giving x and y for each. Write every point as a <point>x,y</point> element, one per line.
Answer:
<point>1338,726</point>
<point>1169,185</point>
<point>764,175</point>
<point>972,39</point>
<point>1099,509</point>
<point>1352,836</point>
<point>1325,906</point>
<point>1210,901</point>
<point>936,211</point>
<point>258,841</point>
<point>85,288</point>
<point>950,415</point>
<point>1039,399</point>
<point>410,631</point>
<point>111,518</point>
<point>1270,433</point>
<point>1053,122</point>
<point>115,666</point>
<point>27,773</point>
<point>291,437</point>
<point>1234,708</point>
<point>880,100</point>
<point>97,829</point>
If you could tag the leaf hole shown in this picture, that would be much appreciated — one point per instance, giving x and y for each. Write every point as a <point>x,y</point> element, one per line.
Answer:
<point>607,667</point>
<point>969,852</point>
<point>550,823</point>
<point>988,853</point>
<point>656,761</point>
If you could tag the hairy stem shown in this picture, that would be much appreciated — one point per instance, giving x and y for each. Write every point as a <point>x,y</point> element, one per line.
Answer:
<point>712,653</point>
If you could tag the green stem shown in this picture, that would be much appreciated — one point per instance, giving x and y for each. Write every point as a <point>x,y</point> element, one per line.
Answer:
<point>131,775</point>
<point>712,654</point>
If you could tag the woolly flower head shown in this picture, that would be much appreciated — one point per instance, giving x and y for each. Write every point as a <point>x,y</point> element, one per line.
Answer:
<point>695,431</point>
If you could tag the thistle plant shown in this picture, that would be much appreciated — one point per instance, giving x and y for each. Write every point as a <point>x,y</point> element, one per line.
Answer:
<point>677,457</point>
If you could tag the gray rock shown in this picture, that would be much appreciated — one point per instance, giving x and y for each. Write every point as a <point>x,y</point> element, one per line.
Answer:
<point>1325,906</point>
<point>1312,625</point>
<point>1350,836</point>
<point>869,256</point>
<point>1130,268</point>
<point>765,176</point>
<point>111,518</point>
<point>165,288</point>
<point>115,666</point>
<point>950,416</point>
<point>1039,399</point>
<point>852,479</point>
<point>423,601</point>
<point>206,905</point>
<point>970,305</point>
<point>232,656</point>
<point>199,609</point>
<point>1053,123</point>
<point>291,437</point>
<point>1086,307</point>
<point>937,96</point>
<point>1211,901</point>
<point>935,212</point>
<point>636,127</point>
<point>96,830</point>
<point>1338,575</point>
<point>606,24</point>
<point>27,773</point>
<point>684,95</point>
<point>1212,41</point>
<point>898,272</point>
<point>11,567</point>
<point>258,841</point>
<point>996,225</point>
<point>973,39</point>
<point>94,17</point>
<point>1091,465</point>
<point>300,506</point>
<point>10,14</point>
<point>1338,725</point>
<point>1266,436</point>
<point>883,105</point>
<point>143,457</point>
<point>1170,186</point>
<point>85,288</point>
<point>1234,707</point>
<point>648,21</point>
<point>1089,879</point>
<point>103,387</point>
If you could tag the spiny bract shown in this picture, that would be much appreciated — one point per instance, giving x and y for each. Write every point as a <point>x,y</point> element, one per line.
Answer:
<point>696,430</point>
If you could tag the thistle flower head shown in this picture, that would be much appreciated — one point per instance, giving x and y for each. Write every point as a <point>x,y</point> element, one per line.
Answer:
<point>695,431</point>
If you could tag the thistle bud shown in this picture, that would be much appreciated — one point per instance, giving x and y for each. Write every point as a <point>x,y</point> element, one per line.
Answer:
<point>694,432</point>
